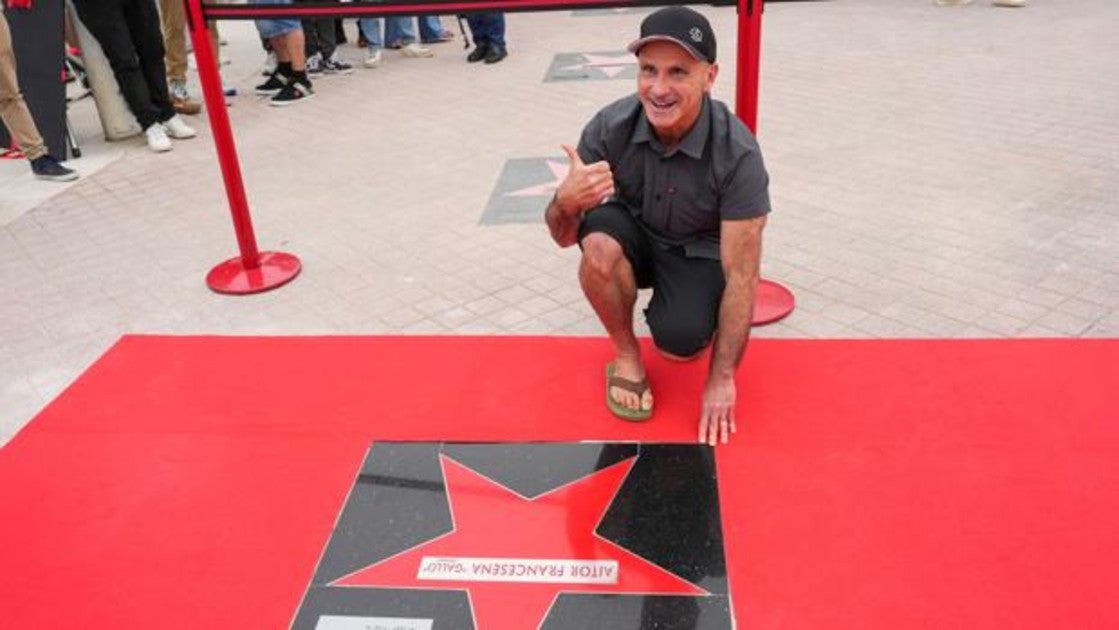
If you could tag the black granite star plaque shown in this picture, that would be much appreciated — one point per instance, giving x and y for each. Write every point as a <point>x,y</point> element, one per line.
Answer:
<point>514,536</point>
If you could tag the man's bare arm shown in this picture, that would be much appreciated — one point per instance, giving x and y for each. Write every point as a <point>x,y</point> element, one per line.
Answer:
<point>740,250</point>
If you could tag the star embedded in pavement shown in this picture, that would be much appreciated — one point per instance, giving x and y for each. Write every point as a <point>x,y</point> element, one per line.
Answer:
<point>559,171</point>
<point>514,555</point>
<point>610,65</point>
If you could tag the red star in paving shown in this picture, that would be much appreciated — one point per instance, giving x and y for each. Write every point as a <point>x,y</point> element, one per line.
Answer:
<point>610,65</point>
<point>514,555</point>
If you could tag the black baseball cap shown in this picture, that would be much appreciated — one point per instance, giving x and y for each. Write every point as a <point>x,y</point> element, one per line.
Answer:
<point>681,25</point>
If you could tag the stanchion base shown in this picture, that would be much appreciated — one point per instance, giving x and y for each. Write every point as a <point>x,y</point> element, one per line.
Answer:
<point>276,269</point>
<point>772,302</point>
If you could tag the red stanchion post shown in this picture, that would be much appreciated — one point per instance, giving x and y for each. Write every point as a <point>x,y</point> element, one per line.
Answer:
<point>749,61</point>
<point>253,271</point>
<point>772,301</point>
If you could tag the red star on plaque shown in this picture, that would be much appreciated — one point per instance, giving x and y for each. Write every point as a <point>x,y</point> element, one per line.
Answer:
<point>514,555</point>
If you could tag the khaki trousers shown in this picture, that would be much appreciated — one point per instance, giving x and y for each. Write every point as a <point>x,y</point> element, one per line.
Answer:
<point>13,109</point>
<point>172,18</point>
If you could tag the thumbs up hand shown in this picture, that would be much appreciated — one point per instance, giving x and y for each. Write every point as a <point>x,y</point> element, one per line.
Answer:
<point>586,185</point>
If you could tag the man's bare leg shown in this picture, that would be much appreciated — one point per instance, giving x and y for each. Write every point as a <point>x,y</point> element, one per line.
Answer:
<point>607,280</point>
<point>296,52</point>
<point>289,49</point>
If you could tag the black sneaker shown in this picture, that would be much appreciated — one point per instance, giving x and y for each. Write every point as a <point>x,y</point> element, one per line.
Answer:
<point>293,92</point>
<point>274,84</point>
<point>48,168</point>
<point>479,53</point>
<point>496,54</point>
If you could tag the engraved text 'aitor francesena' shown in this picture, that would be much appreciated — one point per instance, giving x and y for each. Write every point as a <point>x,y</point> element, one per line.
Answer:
<point>519,570</point>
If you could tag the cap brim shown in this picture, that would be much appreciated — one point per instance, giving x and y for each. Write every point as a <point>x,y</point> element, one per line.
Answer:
<point>638,44</point>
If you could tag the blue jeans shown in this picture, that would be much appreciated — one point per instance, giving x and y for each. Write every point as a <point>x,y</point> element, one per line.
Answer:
<point>276,27</point>
<point>487,28</point>
<point>431,29</point>
<point>398,30</point>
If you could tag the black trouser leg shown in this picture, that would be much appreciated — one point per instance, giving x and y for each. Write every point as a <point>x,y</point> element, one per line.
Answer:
<point>320,34</point>
<point>143,22</point>
<point>328,37</point>
<point>310,38</point>
<point>105,20</point>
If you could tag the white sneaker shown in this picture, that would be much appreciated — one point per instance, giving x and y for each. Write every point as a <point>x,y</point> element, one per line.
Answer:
<point>177,129</point>
<point>415,50</point>
<point>1009,3</point>
<point>314,64</point>
<point>269,65</point>
<point>372,58</point>
<point>157,138</point>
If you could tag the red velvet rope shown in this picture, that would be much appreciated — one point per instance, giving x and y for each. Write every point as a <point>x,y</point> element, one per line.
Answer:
<point>415,7</point>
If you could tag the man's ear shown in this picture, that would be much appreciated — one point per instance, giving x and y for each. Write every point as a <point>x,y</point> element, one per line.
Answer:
<point>712,72</point>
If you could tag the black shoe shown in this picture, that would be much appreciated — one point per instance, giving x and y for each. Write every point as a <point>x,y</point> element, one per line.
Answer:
<point>496,54</point>
<point>292,93</point>
<point>479,53</point>
<point>274,84</point>
<point>46,167</point>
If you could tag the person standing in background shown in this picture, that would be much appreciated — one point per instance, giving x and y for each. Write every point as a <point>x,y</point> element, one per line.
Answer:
<point>13,110</point>
<point>488,30</point>
<point>321,45</point>
<point>130,36</point>
<point>432,31</point>
<point>399,34</point>
<point>172,20</point>
<point>288,82</point>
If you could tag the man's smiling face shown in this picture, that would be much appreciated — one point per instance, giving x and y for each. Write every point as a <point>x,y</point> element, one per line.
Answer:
<point>671,84</point>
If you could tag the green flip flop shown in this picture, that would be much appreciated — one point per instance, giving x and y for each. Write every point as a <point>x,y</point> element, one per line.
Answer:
<point>636,387</point>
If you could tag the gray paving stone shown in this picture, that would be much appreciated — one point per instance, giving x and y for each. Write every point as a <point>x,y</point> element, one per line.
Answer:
<point>1002,325</point>
<point>1107,327</point>
<point>1066,324</point>
<point>1084,309</point>
<point>1026,311</point>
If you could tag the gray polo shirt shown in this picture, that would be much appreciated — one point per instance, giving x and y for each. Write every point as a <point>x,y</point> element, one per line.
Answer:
<point>680,196</point>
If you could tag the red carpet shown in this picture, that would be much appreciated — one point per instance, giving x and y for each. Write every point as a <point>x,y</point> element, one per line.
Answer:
<point>191,482</point>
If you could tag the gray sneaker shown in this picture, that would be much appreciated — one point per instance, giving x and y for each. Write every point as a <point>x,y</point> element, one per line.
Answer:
<point>48,168</point>
<point>315,64</point>
<point>337,65</point>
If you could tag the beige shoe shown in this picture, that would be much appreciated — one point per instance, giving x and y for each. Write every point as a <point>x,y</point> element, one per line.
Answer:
<point>415,50</point>
<point>372,58</point>
<point>1009,3</point>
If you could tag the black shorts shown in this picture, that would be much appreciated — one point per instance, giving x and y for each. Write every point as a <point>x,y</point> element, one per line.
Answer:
<point>684,310</point>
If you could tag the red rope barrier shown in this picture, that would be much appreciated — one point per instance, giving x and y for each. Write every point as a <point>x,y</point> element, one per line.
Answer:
<point>417,7</point>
